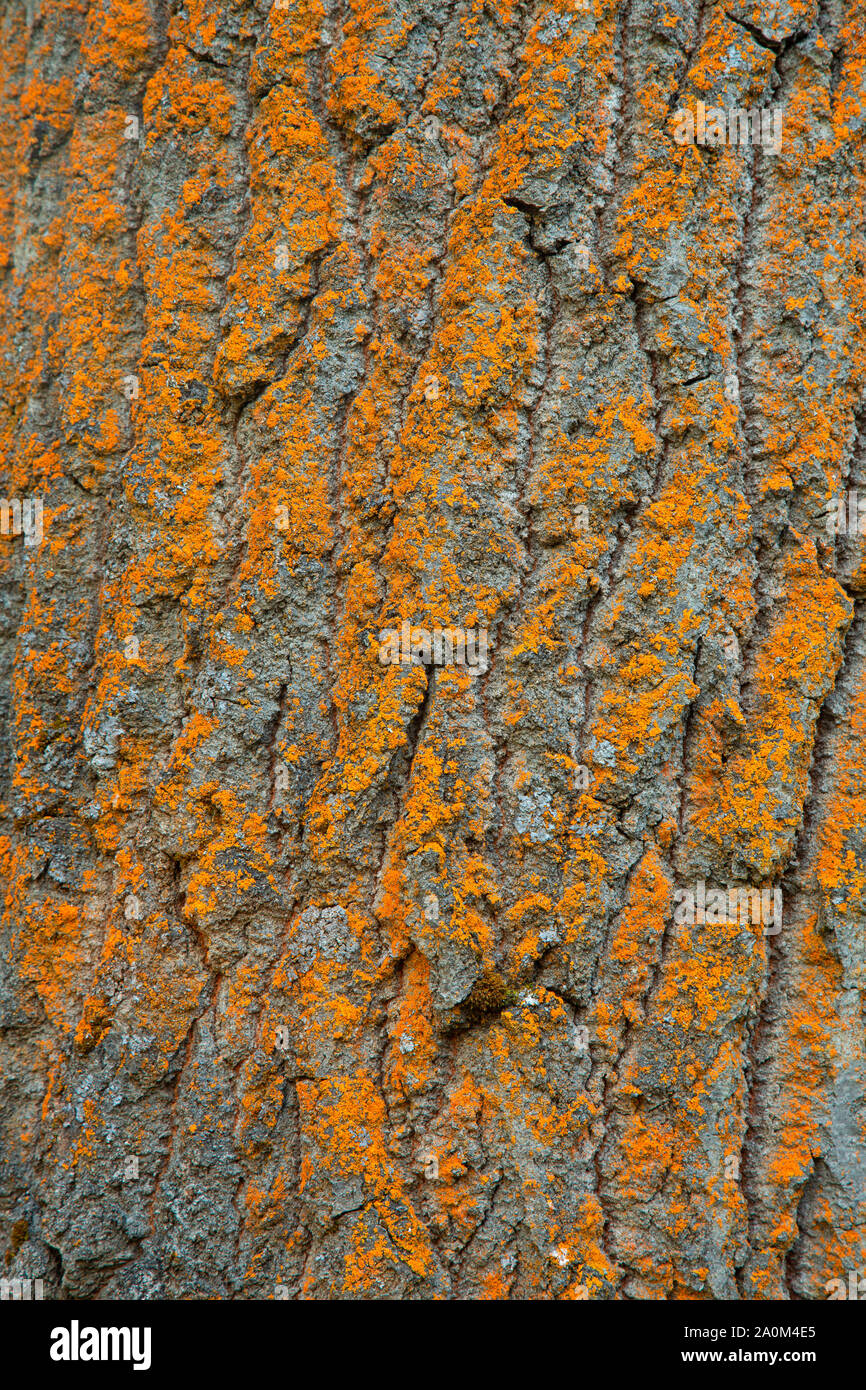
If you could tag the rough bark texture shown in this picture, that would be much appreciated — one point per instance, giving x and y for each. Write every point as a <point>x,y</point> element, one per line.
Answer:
<point>298,947</point>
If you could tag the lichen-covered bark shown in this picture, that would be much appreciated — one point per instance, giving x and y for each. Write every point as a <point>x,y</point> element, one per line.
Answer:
<point>329,978</point>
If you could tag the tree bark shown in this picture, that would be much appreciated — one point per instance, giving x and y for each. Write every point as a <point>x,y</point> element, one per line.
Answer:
<point>340,341</point>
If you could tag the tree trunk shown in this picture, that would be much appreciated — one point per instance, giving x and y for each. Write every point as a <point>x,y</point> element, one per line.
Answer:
<point>434,713</point>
